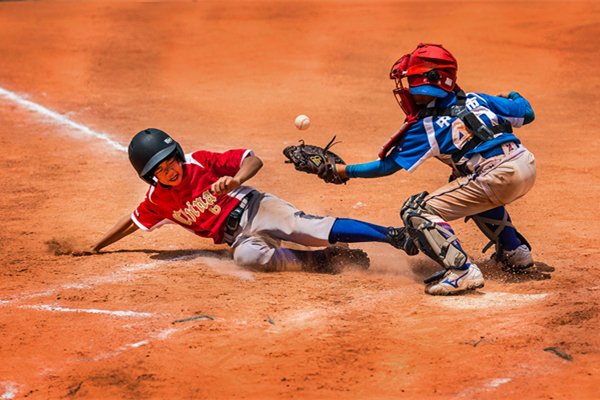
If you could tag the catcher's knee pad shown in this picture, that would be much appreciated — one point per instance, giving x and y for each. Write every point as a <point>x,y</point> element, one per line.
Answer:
<point>436,242</point>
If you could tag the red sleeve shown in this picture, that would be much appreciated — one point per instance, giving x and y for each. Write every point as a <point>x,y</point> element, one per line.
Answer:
<point>222,164</point>
<point>148,216</point>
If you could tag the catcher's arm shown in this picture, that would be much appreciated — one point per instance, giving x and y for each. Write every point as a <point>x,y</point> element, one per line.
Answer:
<point>341,171</point>
<point>373,169</point>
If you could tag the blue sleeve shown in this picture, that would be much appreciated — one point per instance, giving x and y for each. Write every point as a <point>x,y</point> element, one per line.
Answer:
<point>373,169</point>
<point>529,114</point>
<point>515,109</point>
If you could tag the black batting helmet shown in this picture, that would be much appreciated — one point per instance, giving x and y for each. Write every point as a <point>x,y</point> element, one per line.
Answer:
<point>149,148</point>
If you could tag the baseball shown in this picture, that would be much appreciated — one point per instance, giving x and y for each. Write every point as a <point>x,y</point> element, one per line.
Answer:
<point>302,122</point>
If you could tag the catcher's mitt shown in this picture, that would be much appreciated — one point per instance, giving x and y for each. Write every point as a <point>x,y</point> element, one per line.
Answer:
<point>316,160</point>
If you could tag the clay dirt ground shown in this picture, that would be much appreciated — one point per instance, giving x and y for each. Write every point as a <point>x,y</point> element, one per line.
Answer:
<point>221,75</point>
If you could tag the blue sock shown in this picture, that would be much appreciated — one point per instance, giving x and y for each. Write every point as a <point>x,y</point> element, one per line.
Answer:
<point>508,238</point>
<point>353,231</point>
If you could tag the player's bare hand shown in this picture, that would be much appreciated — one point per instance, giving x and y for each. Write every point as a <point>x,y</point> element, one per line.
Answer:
<point>84,251</point>
<point>505,94</point>
<point>224,185</point>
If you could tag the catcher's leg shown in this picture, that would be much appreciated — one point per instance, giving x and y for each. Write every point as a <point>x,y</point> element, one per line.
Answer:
<point>512,249</point>
<point>436,239</point>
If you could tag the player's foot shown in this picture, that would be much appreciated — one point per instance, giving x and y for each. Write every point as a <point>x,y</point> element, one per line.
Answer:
<point>398,237</point>
<point>519,258</point>
<point>334,259</point>
<point>456,281</point>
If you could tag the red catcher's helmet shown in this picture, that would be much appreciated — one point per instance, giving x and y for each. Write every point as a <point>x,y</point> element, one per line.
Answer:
<point>430,69</point>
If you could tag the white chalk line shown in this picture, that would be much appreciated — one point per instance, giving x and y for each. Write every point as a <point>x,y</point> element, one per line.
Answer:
<point>487,387</point>
<point>10,390</point>
<point>487,300</point>
<point>45,307</point>
<point>125,274</point>
<point>497,382</point>
<point>163,334</point>
<point>121,275</point>
<point>59,118</point>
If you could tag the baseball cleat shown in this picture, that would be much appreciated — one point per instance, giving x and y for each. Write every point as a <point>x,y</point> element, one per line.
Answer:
<point>456,281</point>
<point>519,258</point>
<point>334,259</point>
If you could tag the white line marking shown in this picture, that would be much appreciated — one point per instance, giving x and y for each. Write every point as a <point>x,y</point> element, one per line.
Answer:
<point>10,390</point>
<point>59,118</point>
<point>497,382</point>
<point>488,299</point>
<point>124,274</point>
<point>161,335</point>
<point>220,265</point>
<point>138,344</point>
<point>91,311</point>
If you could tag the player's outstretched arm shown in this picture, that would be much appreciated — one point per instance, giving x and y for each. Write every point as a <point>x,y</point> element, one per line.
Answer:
<point>374,169</point>
<point>123,228</point>
<point>250,166</point>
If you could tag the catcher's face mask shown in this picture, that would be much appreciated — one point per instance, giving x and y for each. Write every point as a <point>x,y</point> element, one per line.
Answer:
<point>402,94</point>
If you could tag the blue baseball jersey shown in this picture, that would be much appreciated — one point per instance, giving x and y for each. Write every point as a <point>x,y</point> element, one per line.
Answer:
<point>441,137</point>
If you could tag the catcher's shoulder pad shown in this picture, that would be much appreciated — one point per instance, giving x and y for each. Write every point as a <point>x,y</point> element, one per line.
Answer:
<point>396,138</point>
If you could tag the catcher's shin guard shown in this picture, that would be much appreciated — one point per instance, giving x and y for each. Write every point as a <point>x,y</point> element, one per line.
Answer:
<point>486,225</point>
<point>436,242</point>
<point>494,236</point>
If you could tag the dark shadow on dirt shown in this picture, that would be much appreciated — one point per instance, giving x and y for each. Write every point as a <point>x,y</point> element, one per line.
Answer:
<point>424,268</point>
<point>495,271</point>
<point>186,255</point>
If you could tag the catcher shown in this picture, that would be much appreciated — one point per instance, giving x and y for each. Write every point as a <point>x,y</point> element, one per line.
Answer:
<point>204,193</point>
<point>472,133</point>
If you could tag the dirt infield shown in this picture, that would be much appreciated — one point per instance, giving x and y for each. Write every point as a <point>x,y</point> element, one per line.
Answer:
<point>167,315</point>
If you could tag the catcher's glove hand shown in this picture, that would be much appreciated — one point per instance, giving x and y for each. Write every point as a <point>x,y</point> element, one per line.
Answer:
<point>316,160</point>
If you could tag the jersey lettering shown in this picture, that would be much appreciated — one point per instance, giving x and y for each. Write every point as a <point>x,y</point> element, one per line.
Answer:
<point>189,214</point>
<point>191,211</point>
<point>181,217</point>
<point>443,122</point>
<point>209,198</point>
<point>200,204</point>
<point>471,103</point>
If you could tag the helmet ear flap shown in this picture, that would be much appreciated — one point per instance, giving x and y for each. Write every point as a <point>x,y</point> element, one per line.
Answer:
<point>150,179</point>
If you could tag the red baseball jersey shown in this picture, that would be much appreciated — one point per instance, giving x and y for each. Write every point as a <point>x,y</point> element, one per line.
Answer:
<point>191,204</point>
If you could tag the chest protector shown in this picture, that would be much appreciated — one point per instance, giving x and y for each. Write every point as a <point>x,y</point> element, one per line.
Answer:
<point>481,132</point>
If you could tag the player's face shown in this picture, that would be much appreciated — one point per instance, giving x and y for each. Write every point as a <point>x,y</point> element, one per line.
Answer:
<point>423,99</point>
<point>169,172</point>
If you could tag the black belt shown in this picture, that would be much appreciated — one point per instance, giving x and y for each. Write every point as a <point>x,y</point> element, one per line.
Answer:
<point>233,220</point>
